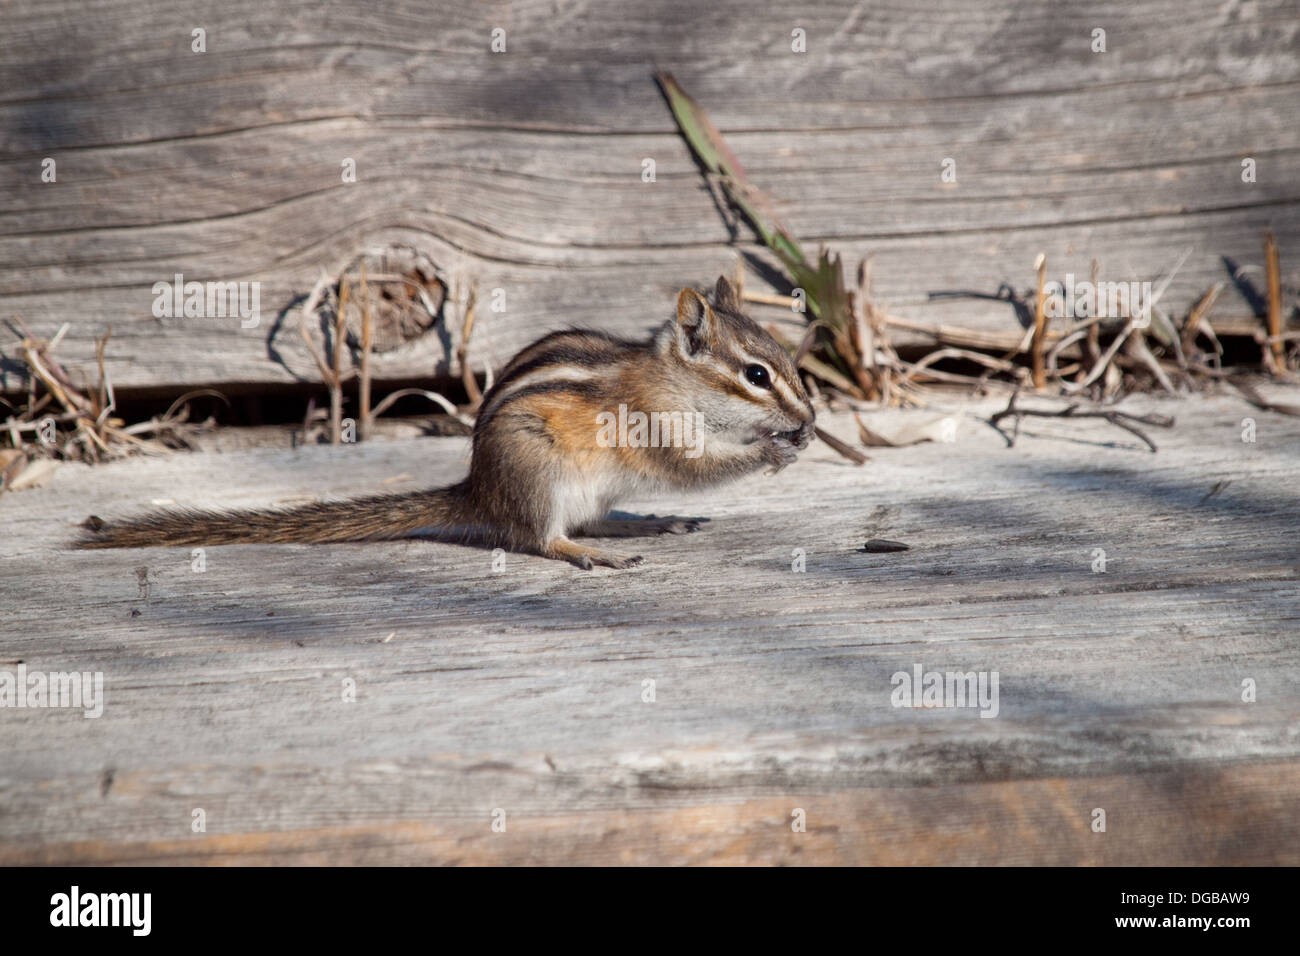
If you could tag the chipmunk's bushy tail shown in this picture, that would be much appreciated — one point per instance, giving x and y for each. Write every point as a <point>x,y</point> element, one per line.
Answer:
<point>383,517</point>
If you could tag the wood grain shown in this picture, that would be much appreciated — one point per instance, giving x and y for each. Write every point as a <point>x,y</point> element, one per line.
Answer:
<point>522,170</point>
<point>522,690</point>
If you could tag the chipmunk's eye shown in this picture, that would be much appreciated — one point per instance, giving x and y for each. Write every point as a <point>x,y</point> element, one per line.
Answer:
<point>757,375</point>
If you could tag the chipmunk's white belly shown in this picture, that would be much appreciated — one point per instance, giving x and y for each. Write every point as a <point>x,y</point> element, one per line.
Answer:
<point>580,499</point>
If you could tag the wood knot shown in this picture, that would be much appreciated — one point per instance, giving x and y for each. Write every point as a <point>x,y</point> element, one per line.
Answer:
<point>402,290</point>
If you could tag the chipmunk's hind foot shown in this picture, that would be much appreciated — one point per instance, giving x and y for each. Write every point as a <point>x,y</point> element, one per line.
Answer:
<point>587,558</point>
<point>645,527</point>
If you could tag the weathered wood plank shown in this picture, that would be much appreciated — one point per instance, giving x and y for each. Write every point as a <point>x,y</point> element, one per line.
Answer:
<point>1191,818</point>
<point>522,689</point>
<point>523,169</point>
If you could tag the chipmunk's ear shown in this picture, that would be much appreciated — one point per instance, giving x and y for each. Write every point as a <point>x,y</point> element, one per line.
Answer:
<point>696,323</point>
<point>725,297</point>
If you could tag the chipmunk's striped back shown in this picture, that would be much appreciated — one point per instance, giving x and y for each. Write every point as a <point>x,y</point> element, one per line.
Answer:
<point>573,361</point>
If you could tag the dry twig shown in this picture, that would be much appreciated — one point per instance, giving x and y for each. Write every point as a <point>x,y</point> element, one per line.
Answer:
<point>1273,272</point>
<point>848,451</point>
<point>462,350</point>
<point>1040,324</point>
<point>1120,419</point>
<point>364,416</point>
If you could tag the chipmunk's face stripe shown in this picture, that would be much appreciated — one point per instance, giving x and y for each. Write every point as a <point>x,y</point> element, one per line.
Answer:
<point>792,403</point>
<point>735,362</point>
<point>732,385</point>
<point>785,390</point>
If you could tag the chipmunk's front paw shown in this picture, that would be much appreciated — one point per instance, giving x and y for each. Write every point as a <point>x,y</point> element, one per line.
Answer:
<point>778,451</point>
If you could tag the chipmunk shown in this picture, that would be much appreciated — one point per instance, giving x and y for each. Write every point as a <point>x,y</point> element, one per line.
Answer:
<point>538,476</point>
